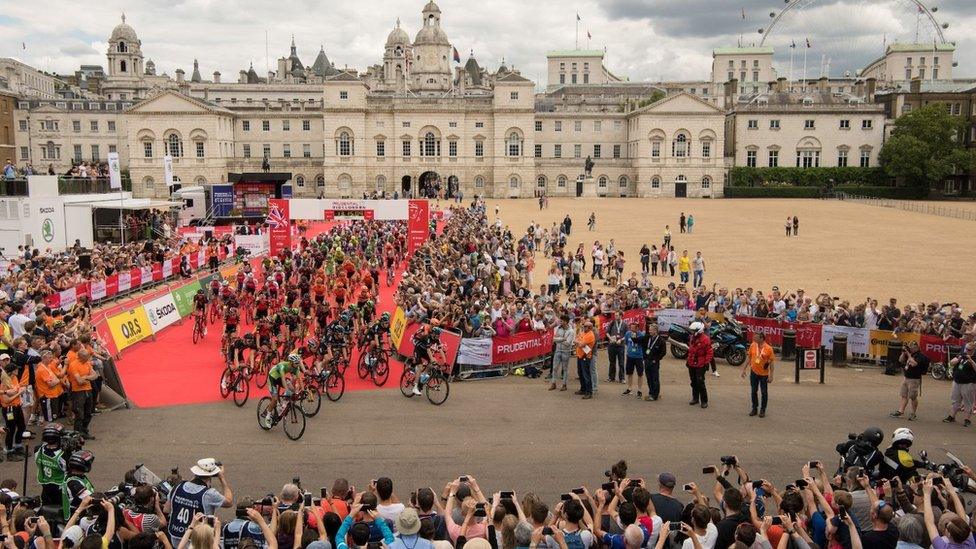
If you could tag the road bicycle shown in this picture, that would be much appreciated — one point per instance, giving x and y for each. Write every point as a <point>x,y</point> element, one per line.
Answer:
<point>434,381</point>
<point>199,326</point>
<point>247,308</point>
<point>374,362</point>
<point>236,382</point>
<point>215,310</point>
<point>331,380</point>
<point>289,413</point>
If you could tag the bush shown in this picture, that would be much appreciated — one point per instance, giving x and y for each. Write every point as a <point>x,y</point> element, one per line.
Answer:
<point>741,176</point>
<point>772,192</point>
<point>900,193</point>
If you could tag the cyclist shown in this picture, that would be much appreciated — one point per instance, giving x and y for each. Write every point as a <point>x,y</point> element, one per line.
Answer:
<point>376,331</point>
<point>226,292</point>
<point>200,302</point>
<point>214,288</point>
<point>238,356</point>
<point>231,319</point>
<point>284,375</point>
<point>240,280</point>
<point>426,341</point>
<point>261,305</point>
<point>250,285</point>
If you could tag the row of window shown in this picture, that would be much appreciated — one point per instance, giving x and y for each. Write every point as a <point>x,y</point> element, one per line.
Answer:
<point>810,124</point>
<point>285,125</point>
<point>807,158</point>
<point>557,125</point>
<point>557,151</point>
<point>429,146</point>
<point>681,147</point>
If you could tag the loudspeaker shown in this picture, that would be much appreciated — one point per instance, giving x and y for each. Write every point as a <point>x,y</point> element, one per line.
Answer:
<point>84,262</point>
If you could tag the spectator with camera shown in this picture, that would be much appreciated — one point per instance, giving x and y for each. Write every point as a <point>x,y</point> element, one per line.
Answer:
<point>248,528</point>
<point>915,365</point>
<point>963,395</point>
<point>188,498</point>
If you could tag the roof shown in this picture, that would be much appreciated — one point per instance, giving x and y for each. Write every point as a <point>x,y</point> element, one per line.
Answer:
<point>575,53</point>
<point>897,47</point>
<point>794,102</point>
<point>680,96</point>
<point>473,70</point>
<point>751,50</point>
<point>512,77</point>
<point>322,66</point>
<point>344,76</point>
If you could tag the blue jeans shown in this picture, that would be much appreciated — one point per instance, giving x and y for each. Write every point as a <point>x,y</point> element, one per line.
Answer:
<point>684,276</point>
<point>583,370</point>
<point>759,384</point>
<point>699,278</point>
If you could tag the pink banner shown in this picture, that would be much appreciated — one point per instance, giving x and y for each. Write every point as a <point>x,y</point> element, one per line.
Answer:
<point>935,347</point>
<point>807,333</point>
<point>519,347</point>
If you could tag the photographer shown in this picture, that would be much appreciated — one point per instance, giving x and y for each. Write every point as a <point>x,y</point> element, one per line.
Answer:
<point>51,465</point>
<point>963,384</point>
<point>76,485</point>
<point>916,365</point>
<point>248,524</point>
<point>192,497</point>
<point>145,513</point>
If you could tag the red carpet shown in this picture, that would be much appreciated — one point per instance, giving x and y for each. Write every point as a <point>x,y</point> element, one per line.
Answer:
<point>172,370</point>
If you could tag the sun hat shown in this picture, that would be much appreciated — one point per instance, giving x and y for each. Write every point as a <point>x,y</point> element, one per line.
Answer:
<point>407,522</point>
<point>206,467</point>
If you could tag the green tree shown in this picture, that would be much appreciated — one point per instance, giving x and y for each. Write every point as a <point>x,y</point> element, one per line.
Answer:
<point>926,146</point>
<point>653,98</point>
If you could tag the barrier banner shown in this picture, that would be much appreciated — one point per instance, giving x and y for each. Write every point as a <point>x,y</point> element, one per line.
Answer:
<point>771,327</point>
<point>255,244</point>
<point>280,226</point>
<point>125,281</point>
<point>67,298</point>
<point>935,347</point>
<point>475,352</point>
<point>111,285</point>
<point>523,346</point>
<point>97,289</point>
<point>858,339</point>
<point>880,339</point>
<point>667,317</point>
<point>161,312</point>
<point>166,269</point>
<point>398,324</point>
<point>418,224</point>
<point>183,297</point>
<point>157,271</point>
<point>147,274</point>
<point>129,328</point>
<point>135,277</point>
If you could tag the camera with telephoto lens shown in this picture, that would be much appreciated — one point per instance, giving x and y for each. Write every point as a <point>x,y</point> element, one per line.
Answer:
<point>71,441</point>
<point>729,461</point>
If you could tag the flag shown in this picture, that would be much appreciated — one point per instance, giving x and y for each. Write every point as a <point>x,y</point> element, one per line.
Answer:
<point>457,56</point>
<point>578,17</point>
<point>743,13</point>
<point>793,44</point>
<point>588,35</point>
<point>808,43</point>
<point>23,45</point>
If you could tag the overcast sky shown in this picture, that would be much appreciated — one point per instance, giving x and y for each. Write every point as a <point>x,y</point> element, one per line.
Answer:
<point>644,39</point>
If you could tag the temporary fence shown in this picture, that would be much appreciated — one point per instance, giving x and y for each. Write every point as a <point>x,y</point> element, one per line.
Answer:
<point>924,207</point>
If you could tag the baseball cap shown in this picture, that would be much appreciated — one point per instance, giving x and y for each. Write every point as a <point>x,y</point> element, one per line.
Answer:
<point>667,480</point>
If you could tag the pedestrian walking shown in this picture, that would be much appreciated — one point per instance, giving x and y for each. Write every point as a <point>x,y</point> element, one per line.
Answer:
<point>645,259</point>
<point>684,266</point>
<point>759,365</point>
<point>789,225</point>
<point>667,235</point>
<point>585,344</point>
<point>681,223</point>
<point>796,226</point>
<point>690,223</point>
<point>698,266</point>
<point>591,222</point>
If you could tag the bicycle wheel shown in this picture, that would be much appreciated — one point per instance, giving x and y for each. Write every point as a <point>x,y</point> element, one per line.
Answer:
<point>226,380</point>
<point>196,332</point>
<point>261,375</point>
<point>362,368</point>
<point>407,379</point>
<point>437,388</point>
<point>294,422</point>
<point>381,371</point>
<point>335,386</point>
<point>264,420</point>
<point>241,390</point>
<point>311,403</point>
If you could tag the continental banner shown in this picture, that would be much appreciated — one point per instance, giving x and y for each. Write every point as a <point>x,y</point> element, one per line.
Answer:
<point>398,325</point>
<point>183,297</point>
<point>129,327</point>
<point>880,338</point>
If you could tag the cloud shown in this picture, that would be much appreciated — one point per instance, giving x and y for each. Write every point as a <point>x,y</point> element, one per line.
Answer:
<point>644,39</point>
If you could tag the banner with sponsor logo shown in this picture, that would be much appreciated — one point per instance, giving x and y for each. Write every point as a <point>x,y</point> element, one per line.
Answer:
<point>98,289</point>
<point>255,244</point>
<point>521,346</point>
<point>451,341</point>
<point>418,224</point>
<point>858,339</point>
<point>125,281</point>
<point>183,297</point>
<point>398,325</point>
<point>280,226</point>
<point>667,317</point>
<point>935,347</point>
<point>161,312</point>
<point>807,334</point>
<point>475,352</point>
<point>223,199</point>
<point>880,338</point>
<point>67,298</point>
<point>129,327</point>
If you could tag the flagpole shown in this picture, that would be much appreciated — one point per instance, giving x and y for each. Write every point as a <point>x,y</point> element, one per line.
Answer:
<point>577,31</point>
<point>805,50</point>
<point>792,51</point>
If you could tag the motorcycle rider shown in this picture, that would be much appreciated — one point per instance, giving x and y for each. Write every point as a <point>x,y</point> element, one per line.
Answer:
<point>51,466</point>
<point>898,461</point>
<point>76,485</point>
<point>699,357</point>
<point>862,451</point>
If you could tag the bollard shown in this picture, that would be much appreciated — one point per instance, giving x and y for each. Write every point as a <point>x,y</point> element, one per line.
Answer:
<point>892,367</point>
<point>839,353</point>
<point>789,344</point>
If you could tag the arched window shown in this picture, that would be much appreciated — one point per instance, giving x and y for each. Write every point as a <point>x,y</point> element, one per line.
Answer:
<point>320,180</point>
<point>681,179</point>
<point>199,180</point>
<point>148,182</point>
<point>561,181</point>
<point>513,182</point>
<point>541,182</point>
<point>706,182</point>
<point>655,182</point>
<point>679,148</point>
<point>431,145</point>
<point>623,181</point>
<point>514,144</point>
<point>299,180</point>
<point>479,182</point>
<point>380,183</point>
<point>122,47</point>
<point>122,65</point>
<point>174,145</point>
<point>345,144</point>
<point>602,182</point>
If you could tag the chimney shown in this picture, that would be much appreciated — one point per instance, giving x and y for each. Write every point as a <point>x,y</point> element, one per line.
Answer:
<point>180,76</point>
<point>781,84</point>
<point>822,84</point>
<point>915,85</point>
<point>859,88</point>
<point>872,85</point>
<point>216,77</point>
<point>731,90</point>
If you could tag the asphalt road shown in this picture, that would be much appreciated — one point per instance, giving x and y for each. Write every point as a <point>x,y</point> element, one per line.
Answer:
<point>513,434</point>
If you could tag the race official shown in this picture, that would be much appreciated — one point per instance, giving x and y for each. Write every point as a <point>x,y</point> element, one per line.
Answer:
<point>759,366</point>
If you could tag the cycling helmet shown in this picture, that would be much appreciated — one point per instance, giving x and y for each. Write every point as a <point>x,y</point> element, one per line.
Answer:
<point>200,291</point>
<point>223,283</point>
<point>52,433</point>
<point>435,331</point>
<point>696,327</point>
<point>294,358</point>
<point>903,434</point>
<point>312,342</point>
<point>81,460</point>
<point>873,435</point>
<point>385,317</point>
<point>344,316</point>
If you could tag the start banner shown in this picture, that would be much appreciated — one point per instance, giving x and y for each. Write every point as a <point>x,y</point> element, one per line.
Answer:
<point>279,222</point>
<point>129,327</point>
<point>523,346</point>
<point>418,224</point>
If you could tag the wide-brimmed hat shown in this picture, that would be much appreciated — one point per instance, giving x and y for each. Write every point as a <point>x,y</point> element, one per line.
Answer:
<point>407,522</point>
<point>206,467</point>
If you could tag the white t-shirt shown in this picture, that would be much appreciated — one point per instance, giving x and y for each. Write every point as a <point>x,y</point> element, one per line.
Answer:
<point>390,511</point>
<point>707,541</point>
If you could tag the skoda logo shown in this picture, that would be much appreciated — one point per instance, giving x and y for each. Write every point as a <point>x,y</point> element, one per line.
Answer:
<point>47,230</point>
<point>152,314</point>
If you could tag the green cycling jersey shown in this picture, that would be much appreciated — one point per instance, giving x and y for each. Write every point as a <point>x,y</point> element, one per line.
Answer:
<point>281,369</point>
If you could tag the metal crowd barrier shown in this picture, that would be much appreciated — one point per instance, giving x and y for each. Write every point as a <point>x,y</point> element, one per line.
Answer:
<point>930,208</point>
